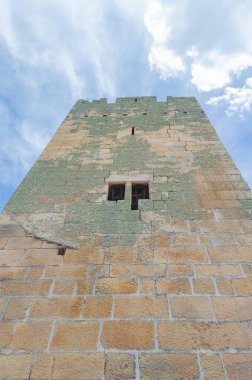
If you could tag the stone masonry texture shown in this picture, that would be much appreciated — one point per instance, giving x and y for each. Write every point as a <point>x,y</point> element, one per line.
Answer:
<point>92,290</point>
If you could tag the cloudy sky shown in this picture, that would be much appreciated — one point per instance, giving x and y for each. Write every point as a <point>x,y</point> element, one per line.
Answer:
<point>53,52</point>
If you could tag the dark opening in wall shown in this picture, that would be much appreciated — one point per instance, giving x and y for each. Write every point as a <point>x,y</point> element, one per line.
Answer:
<point>135,100</point>
<point>133,130</point>
<point>139,191</point>
<point>61,251</point>
<point>116,192</point>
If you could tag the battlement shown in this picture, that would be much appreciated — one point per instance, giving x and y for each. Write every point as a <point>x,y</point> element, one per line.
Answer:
<point>136,105</point>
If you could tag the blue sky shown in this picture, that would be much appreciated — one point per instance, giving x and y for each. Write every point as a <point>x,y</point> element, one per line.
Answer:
<point>53,52</point>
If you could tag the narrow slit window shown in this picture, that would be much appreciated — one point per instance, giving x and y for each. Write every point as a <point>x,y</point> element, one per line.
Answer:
<point>133,130</point>
<point>116,192</point>
<point>61,251</point>
<point>139,191</point>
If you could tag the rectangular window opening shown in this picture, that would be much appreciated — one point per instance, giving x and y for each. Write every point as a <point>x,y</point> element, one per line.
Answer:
<point>139,191</point>
<point>133,130</point>
<point>116,192</point>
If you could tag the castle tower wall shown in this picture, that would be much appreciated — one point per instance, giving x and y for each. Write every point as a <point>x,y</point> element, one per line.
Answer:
<point>95,287</point>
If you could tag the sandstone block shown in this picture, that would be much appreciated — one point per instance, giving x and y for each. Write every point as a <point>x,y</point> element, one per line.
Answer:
<point>185,335</point>
<point>12,273</point>
<point>42,257</point>
<point>119,367</point>
<point>168,366</point>
<point>247,268</point>
<point>218,270</point>
<point>15,367</point>
<point>6,331</point>
<point>173,286</point>
<point>121,255</point>
<point>127,335</point>
<point>144,307</point>
<point>224,286</point>
<point>244,239</point>
<point>97,307</point>
<point>238,366</point>
<point>66,271</point>
<point>23,242</point>
<point>3,302</point>
<point>3,242</point>
<point>180,270</point>
<point>63,287</point>
<point>230,254</point>
<point>116,286</point>
<point>191,307</point>
<point>77,335</point>
<point>84,256</point>
<point>11,257</point>
<point>180,255</point>
<point>85,287</point>
<point>36,287</point>
<point>42,366</point>
<point>30,336</point>
<point>147,286</point>
<point>35,272</point>
<point>56,307</point>
<point>203,286</point>
<point>16,308</point>
<point>243,286</point>
<point>212,367</point>
<point>232,308</point>
<point>78,366</point>
<point>137,270</point>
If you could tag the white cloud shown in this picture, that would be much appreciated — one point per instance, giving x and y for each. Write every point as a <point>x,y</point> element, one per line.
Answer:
<point>216,70</point>
<point>157,22</point>
<point>60,36</point>
<point>239,100</point>
<point>165,61</point>
<point>162,57</point>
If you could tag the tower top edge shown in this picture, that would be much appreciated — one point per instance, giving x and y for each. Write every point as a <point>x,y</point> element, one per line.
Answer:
<point>135,99</point>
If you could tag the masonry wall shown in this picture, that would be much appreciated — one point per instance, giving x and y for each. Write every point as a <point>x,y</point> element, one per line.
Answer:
<point>162,292</point>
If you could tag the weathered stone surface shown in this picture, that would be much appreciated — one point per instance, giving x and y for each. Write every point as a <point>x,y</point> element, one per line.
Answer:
<point>191,307</point>
<point>128,335</point>
<point>17,308</point>
<point>56,307</point>
<point>92,289</point>
<point>42,366</point>
<point>119,367</point>
<point>168,366</point>
<point>78,366</point>
<point>144,307</point>
<point>15,367</point>
<point>77,335</point>
<point>97,307</point>
<point>183,335</point>
<point>212,367</point>
<point>238,366</point>
<point>30,336</point>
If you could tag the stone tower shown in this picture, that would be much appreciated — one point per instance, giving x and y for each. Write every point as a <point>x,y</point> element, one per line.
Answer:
<point>126,252</point>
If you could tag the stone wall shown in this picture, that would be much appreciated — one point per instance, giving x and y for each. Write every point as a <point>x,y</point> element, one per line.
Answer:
<point>162,292</point>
